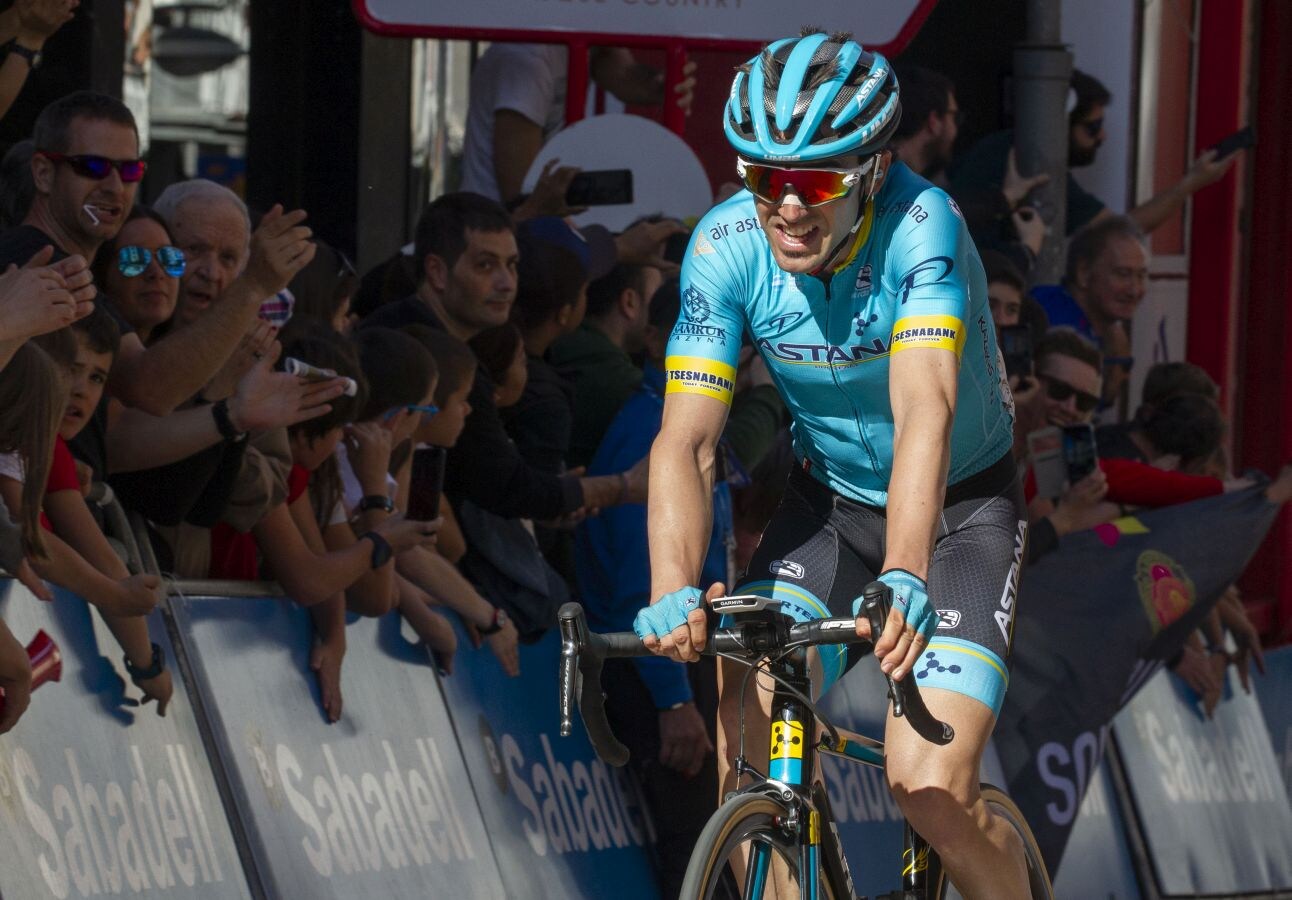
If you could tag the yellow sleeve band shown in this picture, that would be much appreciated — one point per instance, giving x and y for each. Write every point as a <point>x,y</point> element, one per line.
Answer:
<point>937,332</point>
<point>698,375</point>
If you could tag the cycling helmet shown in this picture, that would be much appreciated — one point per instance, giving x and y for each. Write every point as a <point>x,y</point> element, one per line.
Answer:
<point>811,98</point>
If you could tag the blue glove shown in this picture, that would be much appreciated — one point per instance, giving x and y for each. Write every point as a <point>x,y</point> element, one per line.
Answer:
<point>911,599</point>
<point>661,618</point>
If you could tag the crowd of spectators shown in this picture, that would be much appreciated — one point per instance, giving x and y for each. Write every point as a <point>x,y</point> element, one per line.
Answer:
<point>147,349</point>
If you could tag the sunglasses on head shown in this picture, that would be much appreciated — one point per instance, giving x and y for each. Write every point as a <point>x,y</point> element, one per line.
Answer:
<point>813,186</point>
<point>100,167</point>
<point>133,261</point>
<point>1059,391</point>
<point>1093,127</point>
<point>412,408</point>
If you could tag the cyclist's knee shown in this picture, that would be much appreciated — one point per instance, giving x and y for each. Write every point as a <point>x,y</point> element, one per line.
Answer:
<point>937,809</point>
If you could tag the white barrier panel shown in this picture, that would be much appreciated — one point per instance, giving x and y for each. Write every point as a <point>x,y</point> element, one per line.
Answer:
<point>376,805</point>
<point>1096,861</point>
<point>1209,793</point>
<point>563,823</point>
<point>98,797</point>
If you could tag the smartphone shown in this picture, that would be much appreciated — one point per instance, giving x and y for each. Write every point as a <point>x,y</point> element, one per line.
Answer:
<point>1080,453</point>
<point>1045,447</point>
<point>602,187</point>
<point>1016,348</point>
<point>1239,140</point>
<point>426,484</point>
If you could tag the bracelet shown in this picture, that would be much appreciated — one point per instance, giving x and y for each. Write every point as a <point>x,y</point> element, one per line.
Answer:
<point>496,623</point>
<point>678,705</point>
<point>155,667</point>
<point>376,501</point>
<point>224,422</point>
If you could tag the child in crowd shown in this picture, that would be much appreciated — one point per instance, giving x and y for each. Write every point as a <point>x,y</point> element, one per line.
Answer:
<point>318,577</point>
<point>80,557</point>
<point>435,571</point>
<point>501,351</point>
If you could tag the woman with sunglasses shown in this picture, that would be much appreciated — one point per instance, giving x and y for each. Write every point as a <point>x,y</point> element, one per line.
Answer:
<point>864,294</point>
<point>139,270</point>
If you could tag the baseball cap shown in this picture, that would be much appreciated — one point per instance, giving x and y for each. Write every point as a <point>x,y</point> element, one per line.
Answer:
<point>592,244</point>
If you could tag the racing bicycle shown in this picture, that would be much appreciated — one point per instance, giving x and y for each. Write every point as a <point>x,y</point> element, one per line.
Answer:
<point>785,812</point>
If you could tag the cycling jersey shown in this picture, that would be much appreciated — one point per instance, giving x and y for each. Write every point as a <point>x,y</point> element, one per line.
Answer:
<point>913,280</point>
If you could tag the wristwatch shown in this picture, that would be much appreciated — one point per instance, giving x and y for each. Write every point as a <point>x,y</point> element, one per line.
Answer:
<point>33,57</point>
<point>381,549</point>
<point>376,501</point>
<point>499,620</point>
<point>224,422</point>
<point>155,668</point>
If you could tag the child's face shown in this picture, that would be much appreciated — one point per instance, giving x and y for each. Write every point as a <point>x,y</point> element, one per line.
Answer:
<point>444,428</point>
<point>310,453</point>
<point>408,423</point>
<point>86,381</point>
<point>508,393</point>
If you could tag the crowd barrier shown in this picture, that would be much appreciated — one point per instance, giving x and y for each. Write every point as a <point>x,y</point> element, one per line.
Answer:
<point>1274,692</point>
<point>378,803</point>
<point>462,787</point>
<point>1209,795</point>
<point>101,797</point>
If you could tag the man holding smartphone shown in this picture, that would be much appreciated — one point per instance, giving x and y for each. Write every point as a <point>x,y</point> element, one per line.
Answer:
<point>866,299</point>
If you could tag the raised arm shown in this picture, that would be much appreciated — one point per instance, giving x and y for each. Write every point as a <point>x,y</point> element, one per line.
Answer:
<point>159,378</point>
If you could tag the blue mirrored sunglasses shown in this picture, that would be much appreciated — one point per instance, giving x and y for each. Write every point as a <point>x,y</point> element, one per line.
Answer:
<point>133,260</point>
<point>427,411</point>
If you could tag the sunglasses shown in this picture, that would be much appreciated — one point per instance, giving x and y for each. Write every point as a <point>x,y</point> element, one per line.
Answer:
<point>813,186</point>
<point>412,408</point>
<point>133,261</point>
<point>100,167</point>
<point>1059,391</point>
<point>1093,127</point>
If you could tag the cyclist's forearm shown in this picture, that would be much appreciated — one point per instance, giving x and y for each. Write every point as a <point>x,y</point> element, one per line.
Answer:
<point>679,513</point>
<point>921,456</point>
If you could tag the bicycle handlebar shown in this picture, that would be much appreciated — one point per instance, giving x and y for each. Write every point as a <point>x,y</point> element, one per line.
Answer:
<point>583,654</point>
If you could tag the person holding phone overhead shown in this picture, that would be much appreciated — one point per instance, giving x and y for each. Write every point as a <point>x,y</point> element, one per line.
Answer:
<point>986,163</point>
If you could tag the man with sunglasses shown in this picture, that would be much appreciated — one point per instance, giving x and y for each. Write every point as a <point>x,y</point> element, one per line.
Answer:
<point>86,169</point>
<point>985,164</point>
<point>860,287</point>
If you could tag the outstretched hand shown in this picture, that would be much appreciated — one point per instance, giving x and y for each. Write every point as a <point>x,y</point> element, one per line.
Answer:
<point>280,248</point>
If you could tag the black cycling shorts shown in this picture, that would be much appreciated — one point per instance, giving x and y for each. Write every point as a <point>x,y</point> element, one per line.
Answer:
<point>820,550</point>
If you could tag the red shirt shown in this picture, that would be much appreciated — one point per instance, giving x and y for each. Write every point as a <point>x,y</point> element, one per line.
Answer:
<point>1139,484</point>
<point>62,476</point>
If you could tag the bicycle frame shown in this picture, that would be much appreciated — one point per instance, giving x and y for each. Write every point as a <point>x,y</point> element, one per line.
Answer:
<point>790,778</point>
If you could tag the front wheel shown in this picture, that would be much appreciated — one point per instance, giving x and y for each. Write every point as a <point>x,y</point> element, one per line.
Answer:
<point>1038,880</point>
<point>743,849</point>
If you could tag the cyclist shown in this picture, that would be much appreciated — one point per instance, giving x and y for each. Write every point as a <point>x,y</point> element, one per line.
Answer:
<point>860,287</point>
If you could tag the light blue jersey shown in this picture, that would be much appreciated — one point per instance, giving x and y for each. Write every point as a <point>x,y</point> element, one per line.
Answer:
<point>915,281</point>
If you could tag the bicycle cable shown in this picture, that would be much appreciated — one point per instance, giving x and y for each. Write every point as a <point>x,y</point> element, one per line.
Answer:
<point>765,663</point>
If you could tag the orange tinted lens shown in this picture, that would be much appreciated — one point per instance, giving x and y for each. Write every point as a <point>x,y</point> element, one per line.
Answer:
<point>813,186</point>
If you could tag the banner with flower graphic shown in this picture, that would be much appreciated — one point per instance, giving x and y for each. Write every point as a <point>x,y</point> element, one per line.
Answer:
<point>1096,619</point>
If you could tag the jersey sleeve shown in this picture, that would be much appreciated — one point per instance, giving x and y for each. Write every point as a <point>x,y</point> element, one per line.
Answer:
<point>928,266</point>
<point>704,348</point>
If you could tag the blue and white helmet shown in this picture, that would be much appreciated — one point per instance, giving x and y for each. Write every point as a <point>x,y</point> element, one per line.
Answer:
<point>811,98</point>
